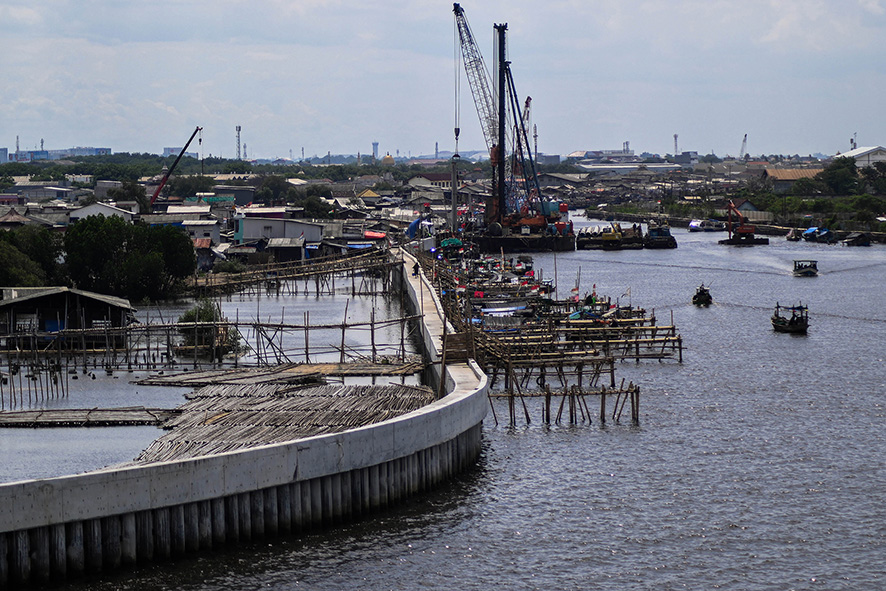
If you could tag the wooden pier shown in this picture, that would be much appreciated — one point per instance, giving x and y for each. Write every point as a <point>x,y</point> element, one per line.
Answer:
<point>313,275</point>
<point>86,417</point>
<point>550,355</point>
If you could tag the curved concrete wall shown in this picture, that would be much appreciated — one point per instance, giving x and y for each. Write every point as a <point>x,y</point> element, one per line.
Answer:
<point>59,527</point>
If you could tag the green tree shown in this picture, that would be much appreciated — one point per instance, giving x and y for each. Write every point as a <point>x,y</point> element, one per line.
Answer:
<point>237,167</point>
<point>108,255</point>
<point>131,190</point>
<point>221,339</point>
<point>6,181</point>
<point>274,189</point>
<point>96,250</point>
<point>17,269</point>
<point>840,176</point>
<point>189,186</point>
<point>807,186</point>
<point>44,247</point>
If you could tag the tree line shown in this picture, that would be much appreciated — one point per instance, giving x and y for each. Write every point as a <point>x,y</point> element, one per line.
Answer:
<point>103,254</point>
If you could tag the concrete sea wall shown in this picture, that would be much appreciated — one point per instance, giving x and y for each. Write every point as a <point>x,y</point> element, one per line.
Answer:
<point>56,528</point>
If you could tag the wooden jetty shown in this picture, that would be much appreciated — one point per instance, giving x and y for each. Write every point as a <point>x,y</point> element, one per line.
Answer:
<point>543,353</point>
<point>284,278</point>
<point>86,417</point>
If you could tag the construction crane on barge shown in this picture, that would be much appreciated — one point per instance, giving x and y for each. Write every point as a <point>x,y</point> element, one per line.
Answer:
<point>516,196</point>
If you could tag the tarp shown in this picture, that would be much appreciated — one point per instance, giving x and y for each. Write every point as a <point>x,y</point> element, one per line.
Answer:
<point>413,228</point>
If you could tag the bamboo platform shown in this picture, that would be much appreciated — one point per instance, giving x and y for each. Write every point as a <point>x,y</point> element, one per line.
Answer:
<point>229,417</point>
<point>287,373</point>
<point>85,417</point>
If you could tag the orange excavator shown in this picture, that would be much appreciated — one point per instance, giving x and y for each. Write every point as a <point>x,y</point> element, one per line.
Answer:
<point>741,233</point>
<point>743,228</point>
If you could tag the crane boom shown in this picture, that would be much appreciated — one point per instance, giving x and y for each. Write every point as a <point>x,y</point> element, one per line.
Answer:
<point>171,168</point>
<point>478,78</point>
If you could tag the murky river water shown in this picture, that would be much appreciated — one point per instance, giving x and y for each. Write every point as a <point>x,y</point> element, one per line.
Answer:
<point>759,463</point>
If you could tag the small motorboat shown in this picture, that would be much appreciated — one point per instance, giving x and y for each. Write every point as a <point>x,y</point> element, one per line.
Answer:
<point>797,322</point>
<point>805,268</point>
<point>702,296</point>
<point>810,234</point>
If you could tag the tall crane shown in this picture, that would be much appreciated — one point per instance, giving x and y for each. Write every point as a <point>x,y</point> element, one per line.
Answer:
<point>478,78</point>
<point>174,164</point>
<point>510,194</point>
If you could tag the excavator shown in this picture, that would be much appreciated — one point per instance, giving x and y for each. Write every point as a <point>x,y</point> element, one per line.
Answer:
<point>741,233</point>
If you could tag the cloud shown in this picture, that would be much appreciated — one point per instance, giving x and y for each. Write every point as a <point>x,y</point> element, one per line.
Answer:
<point>335,75</point>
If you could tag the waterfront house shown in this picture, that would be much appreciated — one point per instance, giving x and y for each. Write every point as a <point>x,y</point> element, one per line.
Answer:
<point>35,310</point>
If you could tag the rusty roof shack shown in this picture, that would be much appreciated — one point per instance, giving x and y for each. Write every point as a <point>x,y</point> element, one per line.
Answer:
<point>41,311</point>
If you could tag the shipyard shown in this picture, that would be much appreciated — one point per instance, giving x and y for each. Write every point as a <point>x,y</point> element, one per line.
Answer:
<point>363,323</point>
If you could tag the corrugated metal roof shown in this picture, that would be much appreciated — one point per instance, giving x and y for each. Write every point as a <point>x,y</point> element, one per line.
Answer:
<point>44,291</point>
<point>792,174</point>
<point>286,242</point>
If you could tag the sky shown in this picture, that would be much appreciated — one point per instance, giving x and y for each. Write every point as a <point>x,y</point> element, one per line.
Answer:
<point>796,76</point>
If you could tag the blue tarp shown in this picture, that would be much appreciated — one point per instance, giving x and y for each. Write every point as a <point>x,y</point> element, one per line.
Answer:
<point>412,230</point>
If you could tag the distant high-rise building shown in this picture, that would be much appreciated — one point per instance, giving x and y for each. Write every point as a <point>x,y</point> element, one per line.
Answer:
<point>176,151</point>
<point>374,151</point>
<point>4,155</point>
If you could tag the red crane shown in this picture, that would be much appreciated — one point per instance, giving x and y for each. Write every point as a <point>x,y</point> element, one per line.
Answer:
<point>171,168</point>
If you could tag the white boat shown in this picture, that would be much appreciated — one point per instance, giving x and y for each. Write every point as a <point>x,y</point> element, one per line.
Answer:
<point>707,226</point>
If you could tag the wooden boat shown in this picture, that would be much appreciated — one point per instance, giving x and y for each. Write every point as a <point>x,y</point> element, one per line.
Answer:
<point>798,322</point>
<point>816,234</point>
<point>702,296</point>
<point>857,239</point>
<point>805,268</point>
